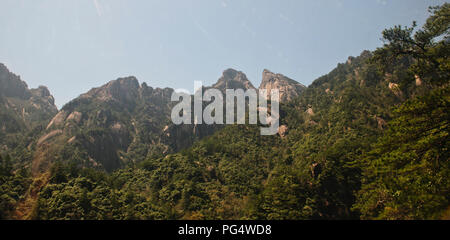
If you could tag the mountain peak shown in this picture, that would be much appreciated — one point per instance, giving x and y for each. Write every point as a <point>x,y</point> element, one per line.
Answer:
<point>12,85</point>
<point>122,89</point>
<point>41,91</point>
<point>230,72</point>
<point>3,67</point>
<point>267,71</point>
<point>130,82</point>
<point>22,108</point>
<point>233,79</point>
<point>288,88</point>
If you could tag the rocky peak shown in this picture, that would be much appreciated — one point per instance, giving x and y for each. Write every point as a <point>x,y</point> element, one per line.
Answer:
<point>127,114</point>
<point>11,85</point>
<point>41,91</point>
<point>43,94</point>
<point>232,79</point>
<point>122,89</point>
<point>22,108</point>
<point>288,88</point>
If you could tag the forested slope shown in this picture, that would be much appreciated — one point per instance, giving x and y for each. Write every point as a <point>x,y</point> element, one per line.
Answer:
<point>369,140</point>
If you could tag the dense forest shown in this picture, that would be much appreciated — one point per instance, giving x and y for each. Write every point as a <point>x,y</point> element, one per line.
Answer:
<point>369,140</point>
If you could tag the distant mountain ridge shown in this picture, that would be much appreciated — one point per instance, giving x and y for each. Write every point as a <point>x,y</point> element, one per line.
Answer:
<point>107,126</point>
<point>122,122</point>
<point>368,140</point>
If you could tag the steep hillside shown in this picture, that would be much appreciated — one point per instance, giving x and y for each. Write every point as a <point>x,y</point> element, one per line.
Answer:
<point>105,126</point>
<point>309,172</point>
<point>122,123</point>
<point>369,140</point>
<point>23,113</point>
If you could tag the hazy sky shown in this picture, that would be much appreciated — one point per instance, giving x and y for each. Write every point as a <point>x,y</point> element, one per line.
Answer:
<point>73,45</point>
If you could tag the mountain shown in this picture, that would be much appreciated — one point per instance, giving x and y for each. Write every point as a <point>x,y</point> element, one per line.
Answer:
<point>121,123</point>
<point>179,137</point>
<point>235,173</point>
<point>306,174</point>
<point>288,88</point>
<point>107,126</point>
<point>23,111</point>
<point>368,140</point>
<point>232,79</point>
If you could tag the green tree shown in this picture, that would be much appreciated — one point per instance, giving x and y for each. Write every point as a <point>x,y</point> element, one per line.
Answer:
<point>406,175</point>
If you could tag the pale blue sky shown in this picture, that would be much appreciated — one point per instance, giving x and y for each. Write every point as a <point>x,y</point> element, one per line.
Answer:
<point>72,46</point>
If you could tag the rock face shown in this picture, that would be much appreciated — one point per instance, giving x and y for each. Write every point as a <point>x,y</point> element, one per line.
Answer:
<point>124,90</point>
<point>282,131</point>
<point>107,127</point>
<point>232,79</point>
<point>21,108</point>
<point>122,122</point>
<point>418,80</point>
<point>289,89</point>
<point>181,136</point>
<point>395,89</point>
<point>11,84</point>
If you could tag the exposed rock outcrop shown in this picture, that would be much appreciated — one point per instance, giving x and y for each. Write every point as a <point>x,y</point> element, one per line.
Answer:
<point>75,116</point>
<point>124,121</point>
<point>123,90</point>
<point>49,136</point>
<point>381,122</point>
<point>395,89</point>
<point>418,80</point>
<point>282,131</point>
<point>21,108</point>
<point>232,79</point>
<point>288,88</point>
<point>108,123</point>
<point>310,111</point>
<point>58,120</point>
